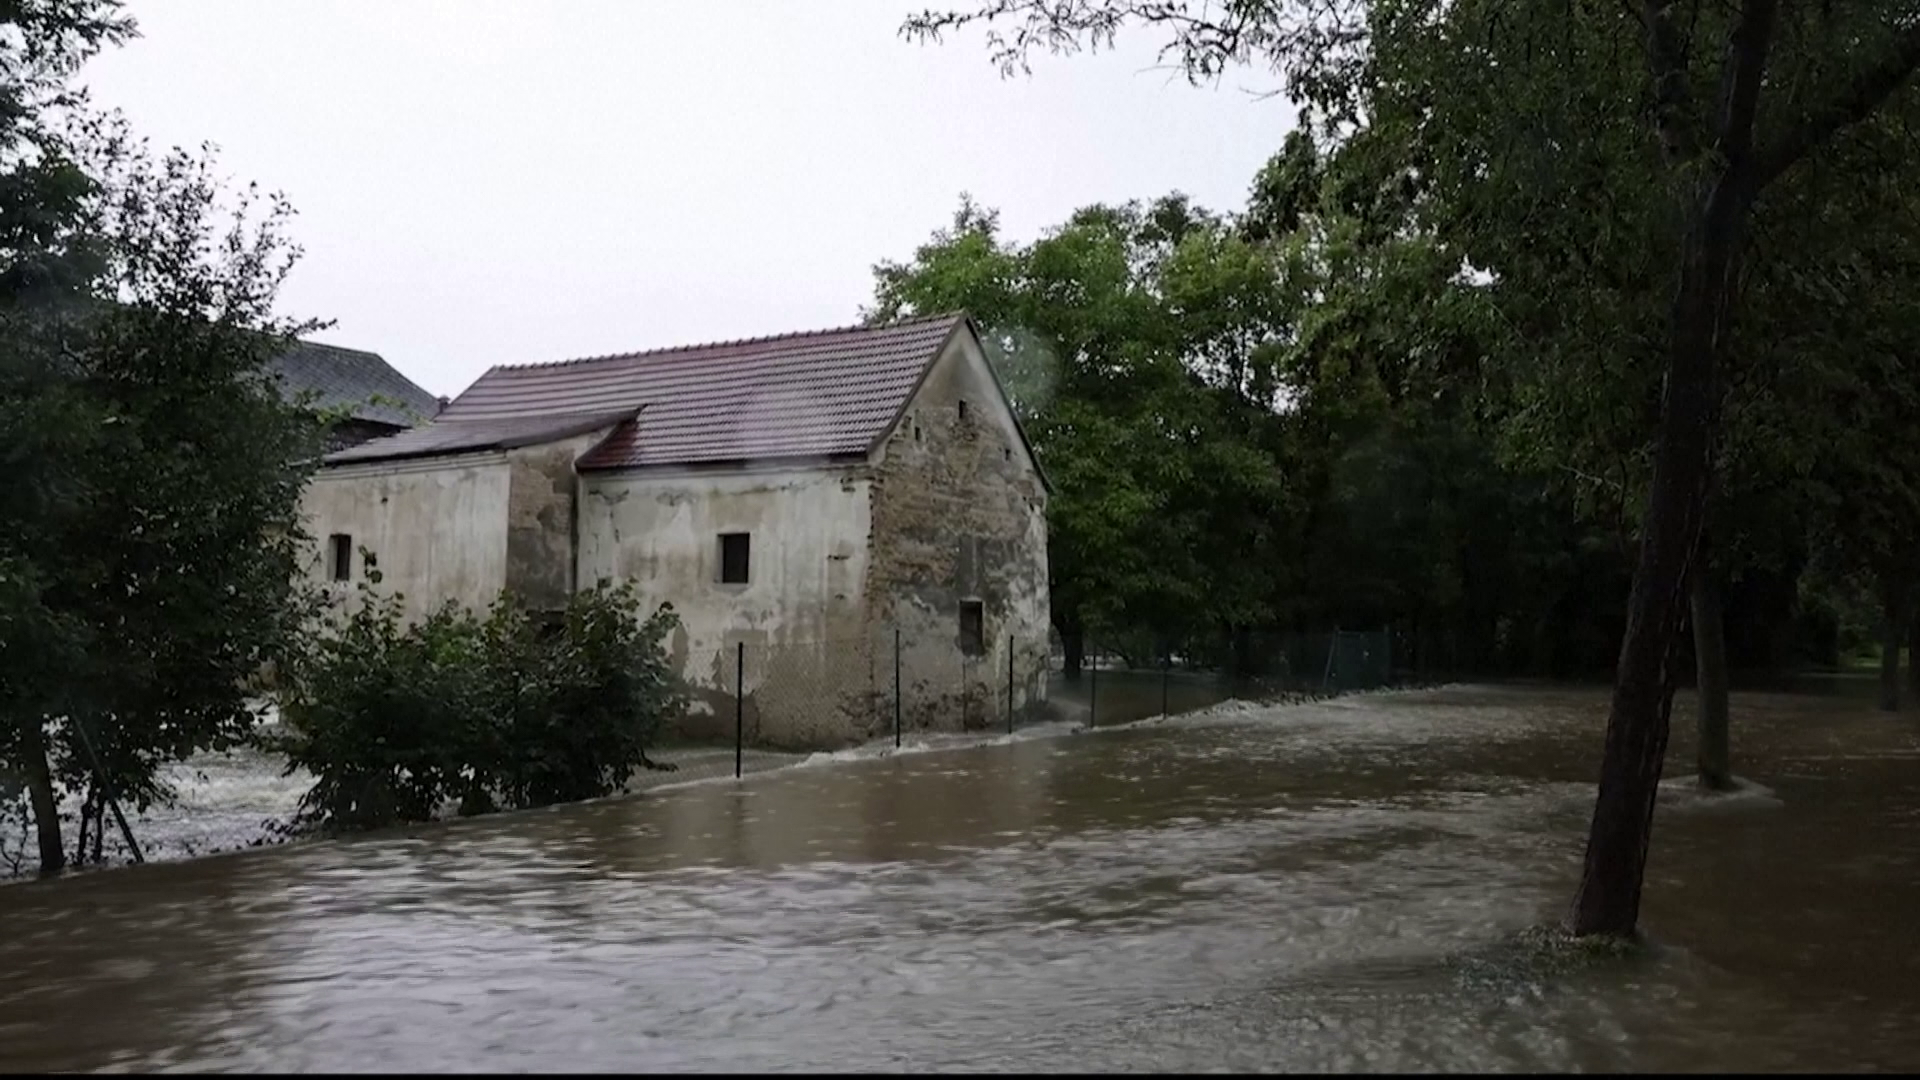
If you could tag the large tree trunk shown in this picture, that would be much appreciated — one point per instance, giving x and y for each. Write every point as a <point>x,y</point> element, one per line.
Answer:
<point>1608,900</point>
<point>1710,666</point>
<point>46,808</point>
<point>1893,598</point>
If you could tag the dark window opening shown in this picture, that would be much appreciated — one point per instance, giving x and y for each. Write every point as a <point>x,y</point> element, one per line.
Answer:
<point>1006,453</point>
<point>340,554</point>
<point>734,549</point>
<point>916,433</point>
<point>973,628</point>
<point>963,408</point>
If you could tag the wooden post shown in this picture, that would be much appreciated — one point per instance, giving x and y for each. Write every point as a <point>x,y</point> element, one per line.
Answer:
<point>106,789</point>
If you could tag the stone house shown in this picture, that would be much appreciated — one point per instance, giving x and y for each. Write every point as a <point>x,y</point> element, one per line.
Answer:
<point>803,501</point>
<point>374,398</point>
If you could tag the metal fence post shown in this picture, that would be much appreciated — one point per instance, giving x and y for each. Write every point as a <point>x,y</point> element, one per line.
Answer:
<point>1093,683</point>
<point>1333,646</point>
<point>739,707</point>
<point>896,688</point>
<point>1010,652</point>
<point>1166,673</point>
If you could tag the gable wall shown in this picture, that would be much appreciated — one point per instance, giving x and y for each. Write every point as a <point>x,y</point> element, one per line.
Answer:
<point>959,513</point>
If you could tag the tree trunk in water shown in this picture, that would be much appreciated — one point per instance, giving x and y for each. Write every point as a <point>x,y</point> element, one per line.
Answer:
<point>1073,641</point>
<point>1608,899</point>
<point>1710,657</point>
<point>1894,598</point>
<point>86,819</point>
<point>46,808</point>
<point>1913,654</point>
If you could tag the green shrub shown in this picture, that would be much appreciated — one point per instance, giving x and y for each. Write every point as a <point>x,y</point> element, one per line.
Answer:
<point>502,711</point>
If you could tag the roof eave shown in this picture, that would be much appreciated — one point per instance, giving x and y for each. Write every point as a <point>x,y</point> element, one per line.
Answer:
<point>835,459</point>
<point>611,421</point>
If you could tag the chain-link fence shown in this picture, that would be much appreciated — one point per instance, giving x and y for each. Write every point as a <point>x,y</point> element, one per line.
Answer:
<point>772,701</point>
<point>1120,678</point>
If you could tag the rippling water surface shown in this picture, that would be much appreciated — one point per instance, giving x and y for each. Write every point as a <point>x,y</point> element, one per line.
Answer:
<point>1330,886</point>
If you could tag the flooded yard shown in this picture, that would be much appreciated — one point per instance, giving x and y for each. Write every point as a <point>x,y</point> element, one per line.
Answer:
<point>1338,885</point>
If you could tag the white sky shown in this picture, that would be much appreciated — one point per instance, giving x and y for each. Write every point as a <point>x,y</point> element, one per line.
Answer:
<point>485,182</point>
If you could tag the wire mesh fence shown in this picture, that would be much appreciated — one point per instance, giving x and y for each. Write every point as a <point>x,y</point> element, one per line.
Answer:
<point>1125,677</point>
<point>770,701</point>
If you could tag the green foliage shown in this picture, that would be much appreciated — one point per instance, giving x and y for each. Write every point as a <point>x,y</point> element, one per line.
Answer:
<point>1130,339</point>
<point>149,533</point>
<point>506,709</point>
<point>1272,420</point>
<point>1528,147</point>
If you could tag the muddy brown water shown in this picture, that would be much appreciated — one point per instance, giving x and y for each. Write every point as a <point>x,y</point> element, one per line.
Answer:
<point>1337,886</point>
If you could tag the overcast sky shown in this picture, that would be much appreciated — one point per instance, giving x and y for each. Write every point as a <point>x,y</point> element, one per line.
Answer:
<point>486,182</point>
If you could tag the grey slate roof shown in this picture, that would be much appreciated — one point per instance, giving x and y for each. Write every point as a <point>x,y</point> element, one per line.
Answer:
<point>469,436</point>
<point>354,378</point>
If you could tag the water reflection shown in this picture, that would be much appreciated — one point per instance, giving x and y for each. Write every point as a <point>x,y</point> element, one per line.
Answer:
<point>1329,886</point>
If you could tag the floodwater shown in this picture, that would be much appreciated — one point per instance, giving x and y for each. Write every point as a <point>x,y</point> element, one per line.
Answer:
<point>1343,885</point>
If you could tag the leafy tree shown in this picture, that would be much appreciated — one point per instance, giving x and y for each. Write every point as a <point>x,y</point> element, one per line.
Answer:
<point>1076,330</point>
<point>1731,100</point>
<point>397,721</point>
<point>150,544</point>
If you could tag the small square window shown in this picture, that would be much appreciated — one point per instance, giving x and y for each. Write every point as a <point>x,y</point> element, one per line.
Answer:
<point>735,552</point>
<point>340,556</point>
<point>973,628</point>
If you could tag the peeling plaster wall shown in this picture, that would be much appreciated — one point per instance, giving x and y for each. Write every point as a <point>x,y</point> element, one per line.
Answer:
<point>437,527</point>
<point>800,615</point>
<point>542,499</point>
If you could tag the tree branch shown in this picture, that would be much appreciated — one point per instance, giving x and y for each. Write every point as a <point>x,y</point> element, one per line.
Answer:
<point>1673,122</point>
<point>1874,86</point>
<point>1746,67</point>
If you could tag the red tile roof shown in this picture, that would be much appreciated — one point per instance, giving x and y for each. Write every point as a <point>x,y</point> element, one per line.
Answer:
<point>809,395</point>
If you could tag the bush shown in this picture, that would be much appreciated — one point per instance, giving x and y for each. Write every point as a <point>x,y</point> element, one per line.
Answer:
<point>506,710</point>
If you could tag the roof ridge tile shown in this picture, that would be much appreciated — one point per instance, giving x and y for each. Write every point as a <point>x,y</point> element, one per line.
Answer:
<point>765,339</point>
